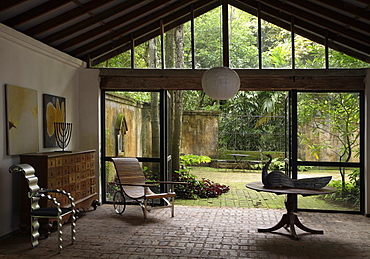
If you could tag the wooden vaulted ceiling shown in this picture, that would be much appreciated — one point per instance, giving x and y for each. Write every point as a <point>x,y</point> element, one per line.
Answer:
<point>95,31</point>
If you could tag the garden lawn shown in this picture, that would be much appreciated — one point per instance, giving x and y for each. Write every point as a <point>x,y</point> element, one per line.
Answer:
<point>242,197</point>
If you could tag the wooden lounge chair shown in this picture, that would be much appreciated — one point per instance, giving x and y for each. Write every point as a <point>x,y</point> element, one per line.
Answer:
<point>131,183</point>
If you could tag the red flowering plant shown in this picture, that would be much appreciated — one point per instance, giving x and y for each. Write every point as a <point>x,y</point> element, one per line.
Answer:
<point>196,188</point>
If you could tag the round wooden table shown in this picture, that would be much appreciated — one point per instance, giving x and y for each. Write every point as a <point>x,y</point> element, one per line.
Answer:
<point>290,219</point>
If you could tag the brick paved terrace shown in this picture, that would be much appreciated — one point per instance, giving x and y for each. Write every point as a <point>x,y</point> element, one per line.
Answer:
<point>199,232</point>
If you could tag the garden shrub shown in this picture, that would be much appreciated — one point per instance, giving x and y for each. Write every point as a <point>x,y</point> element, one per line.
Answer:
<point>203,188</point>
<point>350,193</point>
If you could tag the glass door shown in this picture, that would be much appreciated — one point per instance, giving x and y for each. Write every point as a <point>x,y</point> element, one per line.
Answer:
<point>134,124</point>
<point>327,130</point>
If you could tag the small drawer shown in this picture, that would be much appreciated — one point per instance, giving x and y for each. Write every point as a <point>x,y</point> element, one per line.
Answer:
<point>71,159</point>
<point>72,178</point>
<point>59,182</point>
<point>78,177</point>
<point>53,183</point>
<point>93,189</point>
<point>65,170</point>
<point>58,161</point>
<point>83,185</point>
<point>88,184</point>
<point>78,196</point>
<point>59,171</point>
<point>83,193</point>
<point>66,160</point>
<point>65,179</point>
<point>78,186</point>
<point>51,162</point>
<point>52,172</point>
<point>85,175</point>
<point>71,169</point>
<point>77,158</point>
<point>72,188</point>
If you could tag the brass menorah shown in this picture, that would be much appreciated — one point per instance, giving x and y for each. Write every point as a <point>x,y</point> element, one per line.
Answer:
<point>63,133</point>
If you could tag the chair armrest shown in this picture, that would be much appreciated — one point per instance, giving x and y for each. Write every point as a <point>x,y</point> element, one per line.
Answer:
<point>44,195</point>
<point>63,192</point>
<point>169,182</point>
<point>131,184</point>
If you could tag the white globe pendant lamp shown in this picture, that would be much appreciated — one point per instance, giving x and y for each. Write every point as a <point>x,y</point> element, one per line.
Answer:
<point>220,83</point>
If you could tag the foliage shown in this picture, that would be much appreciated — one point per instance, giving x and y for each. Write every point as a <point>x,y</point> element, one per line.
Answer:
<point>243,34</point>
<point>195,188</point>
<point>262,132</point>
<point>150,175</point>
<point>278,164</point>
<point>337,117</point>
<point>187,160</point>
<point>208,48</point>
<point>350,194</point>
<point>253,121</point>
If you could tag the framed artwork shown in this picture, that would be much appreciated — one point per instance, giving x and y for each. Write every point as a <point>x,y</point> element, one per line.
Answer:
<point>53,111</point>
<point>22,120</point>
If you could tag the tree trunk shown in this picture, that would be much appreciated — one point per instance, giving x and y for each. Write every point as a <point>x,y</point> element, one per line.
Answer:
<point>154,102</point>
<point>178,105</point>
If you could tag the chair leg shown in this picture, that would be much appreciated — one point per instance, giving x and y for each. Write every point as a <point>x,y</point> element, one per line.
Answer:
<point>73,228</point>
<point>35,225</point>
<point>60,234</point>
<point>145,209</point>
<point>173,207</point>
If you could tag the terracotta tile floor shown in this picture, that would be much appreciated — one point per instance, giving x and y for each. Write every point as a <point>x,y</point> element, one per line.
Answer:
<point>200,232</point>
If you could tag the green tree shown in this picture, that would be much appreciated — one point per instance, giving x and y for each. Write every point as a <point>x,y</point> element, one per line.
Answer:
<point>336,115</point>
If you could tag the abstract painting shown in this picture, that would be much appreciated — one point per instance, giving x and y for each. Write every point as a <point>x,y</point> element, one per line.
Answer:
<point>53,111</point>
<point>22,120</point>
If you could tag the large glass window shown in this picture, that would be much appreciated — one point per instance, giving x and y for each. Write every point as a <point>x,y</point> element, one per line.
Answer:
<point>276,46</point>
<point>340,60</point>
<point>308,54</point>
<point>328,128</point>
<point>243,29</point>
<point>208,39</point>
<point>133,123</point>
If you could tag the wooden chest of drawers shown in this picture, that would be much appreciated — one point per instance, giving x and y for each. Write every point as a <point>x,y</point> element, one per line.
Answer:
<point>73,172</point>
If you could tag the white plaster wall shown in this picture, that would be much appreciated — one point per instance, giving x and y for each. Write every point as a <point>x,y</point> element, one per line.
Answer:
<point>89,110</point>
<point>28,63</point>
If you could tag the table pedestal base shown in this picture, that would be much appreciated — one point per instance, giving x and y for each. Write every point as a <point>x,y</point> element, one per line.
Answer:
<point>290,220</point>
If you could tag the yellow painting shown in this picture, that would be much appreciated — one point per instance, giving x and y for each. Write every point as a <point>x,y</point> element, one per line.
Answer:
<point>22,118</point>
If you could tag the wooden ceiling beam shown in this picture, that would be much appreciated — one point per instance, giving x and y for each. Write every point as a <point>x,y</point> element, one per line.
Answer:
<point>349,8</point>
<point>274,16</point>
<point>329,13</point>
<point>251,79</point>
<point>4,5</point>
<point>307,29</point>
<point>127,30</point>
<point>65,17</point>
<point>146,33</point>
<point>316,20</point>
<point>35,12</point>
<point>90,21</point>
<point>112,24</point>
